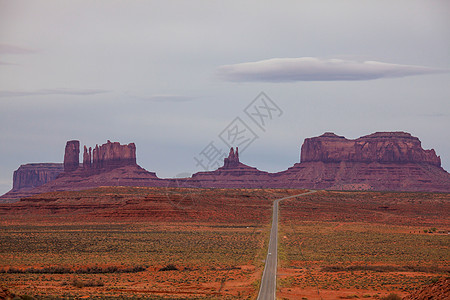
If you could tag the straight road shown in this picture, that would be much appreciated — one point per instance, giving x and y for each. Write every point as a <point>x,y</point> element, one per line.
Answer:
<point>268,288</point>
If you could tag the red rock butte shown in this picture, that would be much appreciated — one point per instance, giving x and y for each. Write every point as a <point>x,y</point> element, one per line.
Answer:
<point>71,156</point>
<point>233,174</point>
<point>382,161</point>
<point>383,147</point>
<point>109,156</point>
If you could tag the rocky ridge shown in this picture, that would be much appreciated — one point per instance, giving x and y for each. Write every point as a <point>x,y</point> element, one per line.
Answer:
<point>382,147</point>
<point>233,174</point>
<point>29,176</point>
<point>382,161</point>
<point>110,164</point>
<point>108,156</point>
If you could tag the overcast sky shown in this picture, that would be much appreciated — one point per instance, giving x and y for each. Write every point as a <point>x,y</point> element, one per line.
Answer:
<point>173,76</point>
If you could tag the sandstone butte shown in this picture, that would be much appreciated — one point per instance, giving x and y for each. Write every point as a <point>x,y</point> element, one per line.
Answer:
<point>382,161</point>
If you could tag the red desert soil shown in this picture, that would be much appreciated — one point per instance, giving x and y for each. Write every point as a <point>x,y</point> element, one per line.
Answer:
<point>214,239</point>
<point>333,245</point>
<point>343,245</point>
<point>439,290</point>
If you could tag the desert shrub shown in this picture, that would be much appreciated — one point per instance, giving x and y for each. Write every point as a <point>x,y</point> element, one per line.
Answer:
<point>24,297</point>
<point>392,296</point>
<point>434,279</point>
<point>78,283</point>
<point>136,269</point>
<point>387,268</point>
<point>111,269</point>
<point>231,268</point>
<point>91,283</point>
<point>62,270</point>
<point>169,268</point>
<point>27,297</point>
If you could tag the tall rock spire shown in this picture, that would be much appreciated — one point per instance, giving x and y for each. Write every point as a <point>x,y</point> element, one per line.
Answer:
<point>72,156</point>
<point>233,158</point>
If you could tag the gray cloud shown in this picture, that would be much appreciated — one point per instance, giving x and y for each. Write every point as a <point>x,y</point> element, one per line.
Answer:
<point>166,98</point>
<point>12,49</point>
<point>316,69</point>
<point>75,92</point>
<point>6,63</point>
<point>434,115</point>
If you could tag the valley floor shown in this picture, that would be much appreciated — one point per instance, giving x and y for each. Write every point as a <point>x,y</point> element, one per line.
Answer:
<point>158,243</point>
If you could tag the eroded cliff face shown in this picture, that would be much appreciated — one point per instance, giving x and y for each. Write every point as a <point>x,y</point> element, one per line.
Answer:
<point>109,156</point>
<point>232,160</point>
<point>30,176</point>
<point>382,161</point>
<point>102,158</point>
<point>110,164</point>
<point>233,174</point>
<point>34,175</point>
<point>382,147</point>
<point>72,156</point>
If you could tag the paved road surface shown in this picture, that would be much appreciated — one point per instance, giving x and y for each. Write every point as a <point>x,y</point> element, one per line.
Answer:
<point>268,287</point>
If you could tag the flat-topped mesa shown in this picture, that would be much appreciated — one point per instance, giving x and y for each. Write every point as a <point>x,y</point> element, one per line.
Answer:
<point>72,156</point>
<point>383,147</point>
<point>34,175</point>
<point>109,156</point>
<point>232,160</point>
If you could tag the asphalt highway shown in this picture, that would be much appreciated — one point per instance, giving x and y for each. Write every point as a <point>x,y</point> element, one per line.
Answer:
<point>268,286</point>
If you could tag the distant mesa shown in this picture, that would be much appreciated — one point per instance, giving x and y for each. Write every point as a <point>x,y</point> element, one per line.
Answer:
<point>383,147</point>
<point>34,175</point>
<point>30,176</point>
<point>109,156</point>
<point>102,158</point>
<point>110,164</point>
<point>382,161</point>
<point>233,174</point>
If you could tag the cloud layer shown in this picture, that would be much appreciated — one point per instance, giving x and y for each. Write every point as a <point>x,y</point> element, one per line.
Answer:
<point>166,98</point>
<point>316,69</point>
<point>12,49</point>
<point>75,92</point>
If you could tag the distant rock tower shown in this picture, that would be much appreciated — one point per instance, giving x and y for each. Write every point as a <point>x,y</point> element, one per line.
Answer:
<point>233,158</point>
<point>87,158</point>
<point>72,156</point>
<point>109,156</point>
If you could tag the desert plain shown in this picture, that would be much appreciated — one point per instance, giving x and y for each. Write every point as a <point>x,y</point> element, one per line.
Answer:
<point>184,243</point>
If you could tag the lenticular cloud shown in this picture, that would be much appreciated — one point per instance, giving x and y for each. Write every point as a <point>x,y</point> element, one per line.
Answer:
<point>315,69</point>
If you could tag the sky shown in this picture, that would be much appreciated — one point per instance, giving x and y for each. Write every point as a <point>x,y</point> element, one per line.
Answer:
<point>184,80</point>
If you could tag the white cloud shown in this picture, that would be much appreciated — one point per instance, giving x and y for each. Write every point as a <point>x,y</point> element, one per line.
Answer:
<point>166,98</point>
<point>316,69</point>
<point>75,92</point>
